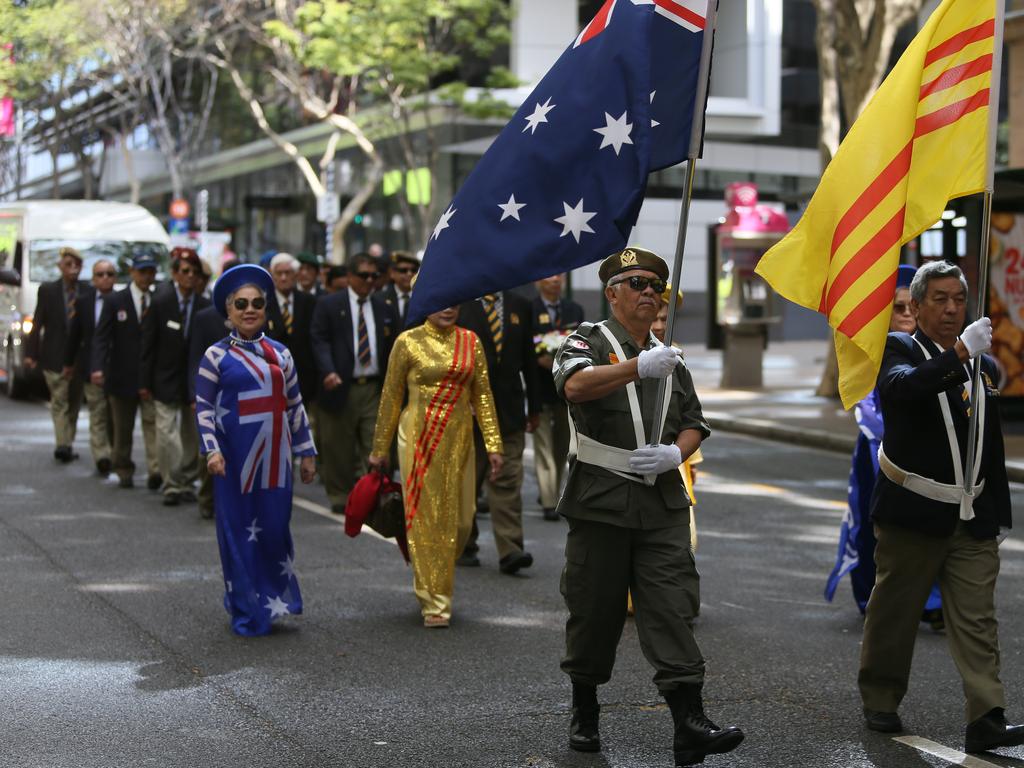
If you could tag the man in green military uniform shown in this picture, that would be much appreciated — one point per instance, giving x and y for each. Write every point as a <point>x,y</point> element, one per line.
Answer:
<point>628,511</point>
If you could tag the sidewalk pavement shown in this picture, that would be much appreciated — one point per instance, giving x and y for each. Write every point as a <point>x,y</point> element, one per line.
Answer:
<point>786,408</point>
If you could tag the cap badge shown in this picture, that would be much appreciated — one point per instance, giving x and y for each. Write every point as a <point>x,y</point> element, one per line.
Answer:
<point>627,259</point>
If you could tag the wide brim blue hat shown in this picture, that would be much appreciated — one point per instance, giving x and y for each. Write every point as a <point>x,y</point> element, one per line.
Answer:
<point>904,275</point>
<point>235,278</point>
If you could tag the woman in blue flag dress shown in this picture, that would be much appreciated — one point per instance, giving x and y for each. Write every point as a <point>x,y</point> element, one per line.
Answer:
<point>251,424</point>
<point>856,554</point>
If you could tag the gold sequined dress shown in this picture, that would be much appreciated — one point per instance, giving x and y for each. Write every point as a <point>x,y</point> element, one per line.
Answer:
<point>444,374</point>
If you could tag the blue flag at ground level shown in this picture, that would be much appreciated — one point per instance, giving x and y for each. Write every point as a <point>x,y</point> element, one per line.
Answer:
<point>563,183</point>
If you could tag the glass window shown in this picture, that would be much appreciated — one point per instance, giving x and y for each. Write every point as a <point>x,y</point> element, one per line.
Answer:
<point>44,255</point>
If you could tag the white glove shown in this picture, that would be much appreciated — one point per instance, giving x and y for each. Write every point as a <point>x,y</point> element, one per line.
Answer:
<point>659,362</point>
<point>977,337</point>
<point>655,459</point>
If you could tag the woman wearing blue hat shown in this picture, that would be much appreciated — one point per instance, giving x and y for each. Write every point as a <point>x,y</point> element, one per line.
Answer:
<point>251,424</point>
<point>856,535</point>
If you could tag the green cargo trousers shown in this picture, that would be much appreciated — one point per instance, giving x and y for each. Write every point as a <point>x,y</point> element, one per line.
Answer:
<point>602,563</point>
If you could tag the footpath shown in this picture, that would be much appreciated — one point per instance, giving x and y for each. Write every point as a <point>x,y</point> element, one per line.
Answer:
<point>786,408</point>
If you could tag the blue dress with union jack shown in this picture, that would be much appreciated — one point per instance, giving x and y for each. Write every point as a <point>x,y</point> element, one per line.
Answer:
<point>249,409</point>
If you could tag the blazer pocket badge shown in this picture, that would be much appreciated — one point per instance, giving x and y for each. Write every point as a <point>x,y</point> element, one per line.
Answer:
<point>174,325</point>
<point>513,318</point>
<point>543,318</point>
<point>387,330</point>
<point>122,315</point>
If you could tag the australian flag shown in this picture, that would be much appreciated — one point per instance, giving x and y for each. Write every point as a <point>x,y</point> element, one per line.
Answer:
<point>563,183</point>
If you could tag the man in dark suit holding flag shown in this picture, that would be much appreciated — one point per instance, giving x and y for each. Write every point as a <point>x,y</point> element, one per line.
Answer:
<point>927,527</point>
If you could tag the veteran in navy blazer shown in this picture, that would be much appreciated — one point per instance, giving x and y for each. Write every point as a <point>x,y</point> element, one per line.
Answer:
<point>289,319</point>
<point>117,362</point>
<point>78,360</point>
<point>353,333</point>
<point>164,375</point>
<point>926,527</point>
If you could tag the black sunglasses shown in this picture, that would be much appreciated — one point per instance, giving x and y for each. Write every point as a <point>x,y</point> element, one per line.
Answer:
<point>104,274</point>
<point>406,270</point>
<point>187,271</point>
<point>367,275</point>
<point>639,284</point>
<point>243,304</point>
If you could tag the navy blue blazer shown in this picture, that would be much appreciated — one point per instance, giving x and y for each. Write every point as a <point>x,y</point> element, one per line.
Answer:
<point>117,345</point>
<point>208,327</point>
<point>78,347</point>
<point>333,351</point>
<point>915,439</point>
<point>570,315</point>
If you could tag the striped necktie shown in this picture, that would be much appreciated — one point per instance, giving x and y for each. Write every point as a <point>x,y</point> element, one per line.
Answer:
<point>364,337</point>
<point>287,317</point>
<point>494,321</point>
<point>70,307</point>
<point>145,305</point>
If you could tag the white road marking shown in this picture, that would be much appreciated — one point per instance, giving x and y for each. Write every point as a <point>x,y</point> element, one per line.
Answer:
<point>319,509</point>
<point>944,753</point>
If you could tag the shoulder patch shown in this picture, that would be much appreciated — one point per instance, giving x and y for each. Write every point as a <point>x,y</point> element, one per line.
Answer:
<point>578,343</point>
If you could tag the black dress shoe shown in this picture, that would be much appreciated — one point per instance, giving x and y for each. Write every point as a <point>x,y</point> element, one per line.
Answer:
<point>468,560</point>
<point>550,513</point>
<point>188,497</point>
<point>126,482</point>
<point>584,735</point>
<point>154,481</point>
<point>991,731</point>
<point>512,564</point>
<point>883,722</point>
<point>695,735</point>
<point>63,454</point>
<point>103,467</point>
<point>172,499</point>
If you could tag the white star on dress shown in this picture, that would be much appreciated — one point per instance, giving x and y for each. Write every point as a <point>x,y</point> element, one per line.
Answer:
<point>615,133</point>
<point>277,607</point>
<point>575,220</point>
<point>443,223</point>
<point>654,123</point>
<point>510,210</point>
<point>253,530</point>
<point>540,115</point>
<point>288,567</point>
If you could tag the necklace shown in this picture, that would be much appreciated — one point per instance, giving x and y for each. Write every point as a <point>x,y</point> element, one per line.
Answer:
<point>238,341</point>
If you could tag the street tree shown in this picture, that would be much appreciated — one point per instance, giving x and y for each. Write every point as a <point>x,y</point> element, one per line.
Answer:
<point>855,40</point>
<point>370,70</point>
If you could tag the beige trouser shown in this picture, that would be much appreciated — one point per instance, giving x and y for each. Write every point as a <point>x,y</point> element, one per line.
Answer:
<point>177,446</point>
<point>504,495</point>
<point>346,437</point>
<point>550,451</point>
<point>908,563</point>
<point>122,412</point>
<point>100,426</point>
<point>65,401</point>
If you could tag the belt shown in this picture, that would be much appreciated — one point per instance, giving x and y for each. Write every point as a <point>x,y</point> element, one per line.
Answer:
<point>925,486</point>
<point>365,379</point>
<point>616,460</point>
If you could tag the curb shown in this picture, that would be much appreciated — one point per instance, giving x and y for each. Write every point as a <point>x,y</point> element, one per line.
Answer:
<point>810,438</point>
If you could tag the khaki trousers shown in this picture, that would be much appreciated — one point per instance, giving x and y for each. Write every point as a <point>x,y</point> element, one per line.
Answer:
<point>100,425</point>
<point>504,495</point>
<point>602,563</point>
<point>346,438</point>
<point>908,563</point>
<point>65,402</point>
<point>122,412</point>
<point>205,492</point>
<point>550,452</point>
<point>177,446</point>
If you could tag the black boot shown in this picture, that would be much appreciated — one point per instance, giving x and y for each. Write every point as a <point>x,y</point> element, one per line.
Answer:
<point>695,735</point>
<point>991,731</point>
<point>583,733</point>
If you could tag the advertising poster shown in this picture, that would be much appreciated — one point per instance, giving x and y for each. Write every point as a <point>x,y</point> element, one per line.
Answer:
<point>1006,300</point>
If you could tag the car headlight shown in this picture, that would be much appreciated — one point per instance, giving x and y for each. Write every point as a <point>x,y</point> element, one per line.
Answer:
<point>26,325</point>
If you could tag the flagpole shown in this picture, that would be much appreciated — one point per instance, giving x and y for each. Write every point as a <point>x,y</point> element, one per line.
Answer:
<point>986,235</point>
<point>696,145</point>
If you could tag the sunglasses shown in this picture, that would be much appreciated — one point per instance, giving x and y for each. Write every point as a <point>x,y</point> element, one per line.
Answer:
<point>187,271</point>
<point>367,275</point>
<point>640,284</point>
<point>104,274</point>
<point>243,304</point>
<point>406,270</point>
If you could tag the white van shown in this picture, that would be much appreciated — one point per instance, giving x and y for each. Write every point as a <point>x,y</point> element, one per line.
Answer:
<point>32,232</point>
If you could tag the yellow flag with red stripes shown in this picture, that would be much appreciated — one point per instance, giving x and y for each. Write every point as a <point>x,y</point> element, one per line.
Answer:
<point>925,137</point>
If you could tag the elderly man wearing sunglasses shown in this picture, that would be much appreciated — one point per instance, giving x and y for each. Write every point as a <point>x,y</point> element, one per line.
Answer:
<point>353,332</point>
<point>628,511</point>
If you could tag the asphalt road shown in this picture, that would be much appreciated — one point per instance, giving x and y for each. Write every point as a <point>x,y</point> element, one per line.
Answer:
<point>115,649</point>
